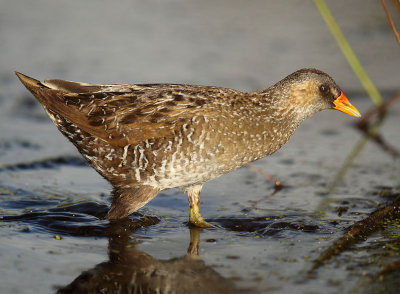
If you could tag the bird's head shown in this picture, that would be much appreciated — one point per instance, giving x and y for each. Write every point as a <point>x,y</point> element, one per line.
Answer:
<point>309,91</point>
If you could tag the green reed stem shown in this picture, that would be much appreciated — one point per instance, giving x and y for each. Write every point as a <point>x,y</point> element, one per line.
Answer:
<point>348,52</point>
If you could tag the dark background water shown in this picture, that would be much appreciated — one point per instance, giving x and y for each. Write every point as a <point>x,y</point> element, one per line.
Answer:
<point>52,205</point>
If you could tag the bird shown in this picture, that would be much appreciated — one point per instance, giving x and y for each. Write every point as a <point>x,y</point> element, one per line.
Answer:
<point>146,138</point>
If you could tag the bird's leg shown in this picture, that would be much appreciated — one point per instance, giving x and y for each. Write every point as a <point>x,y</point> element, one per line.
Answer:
<point>195,217</point>
<point>193,250</point>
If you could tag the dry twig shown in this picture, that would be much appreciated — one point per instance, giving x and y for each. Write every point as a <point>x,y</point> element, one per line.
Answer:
<point>278,184</point>
<point>396,34</point>
<point>364,124</point>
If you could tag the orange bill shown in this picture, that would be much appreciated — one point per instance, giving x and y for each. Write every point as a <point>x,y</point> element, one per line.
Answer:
<point>343,104</point>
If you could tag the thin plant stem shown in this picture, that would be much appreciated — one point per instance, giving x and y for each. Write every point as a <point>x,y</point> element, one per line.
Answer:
<point>348,52</point>
<point>278,184</point>
<point>396,34</point>
<point>359,71</point>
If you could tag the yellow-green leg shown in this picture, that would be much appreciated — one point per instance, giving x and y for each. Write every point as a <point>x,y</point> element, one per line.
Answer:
<point>195,217</point>
<point>193,250</point>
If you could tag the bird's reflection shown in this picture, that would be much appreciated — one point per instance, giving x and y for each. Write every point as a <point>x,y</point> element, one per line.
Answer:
<point>130,270</point>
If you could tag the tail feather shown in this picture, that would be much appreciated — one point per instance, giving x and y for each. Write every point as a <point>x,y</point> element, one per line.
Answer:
<point>72,87</point>
<point>31,84</point>
<point>66,86</point>
<point>62,98</point>
<point>47,96</point>
<point>52,100</point>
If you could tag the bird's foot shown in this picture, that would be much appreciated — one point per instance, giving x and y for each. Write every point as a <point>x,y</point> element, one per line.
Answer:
<point>196,219</point>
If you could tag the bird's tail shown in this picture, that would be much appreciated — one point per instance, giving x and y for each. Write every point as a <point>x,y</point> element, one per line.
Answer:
<point>31,84</point>
<point>37,88</point>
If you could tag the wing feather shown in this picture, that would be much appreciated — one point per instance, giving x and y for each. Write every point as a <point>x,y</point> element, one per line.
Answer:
<point>127,114</point>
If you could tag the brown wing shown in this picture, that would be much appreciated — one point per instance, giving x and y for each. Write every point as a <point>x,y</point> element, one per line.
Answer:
<point>133,117</point>
<point>124,114</point>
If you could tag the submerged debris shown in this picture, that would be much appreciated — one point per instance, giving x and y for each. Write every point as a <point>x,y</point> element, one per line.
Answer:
<point>360,230</point>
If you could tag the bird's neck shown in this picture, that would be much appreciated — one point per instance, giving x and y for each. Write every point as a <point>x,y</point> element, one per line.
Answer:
<point>270,122</point>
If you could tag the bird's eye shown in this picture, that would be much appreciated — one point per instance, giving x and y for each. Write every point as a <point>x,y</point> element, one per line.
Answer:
<point>324,89</point>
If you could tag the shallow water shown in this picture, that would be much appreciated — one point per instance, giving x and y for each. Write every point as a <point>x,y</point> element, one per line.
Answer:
<point>53,234</point>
